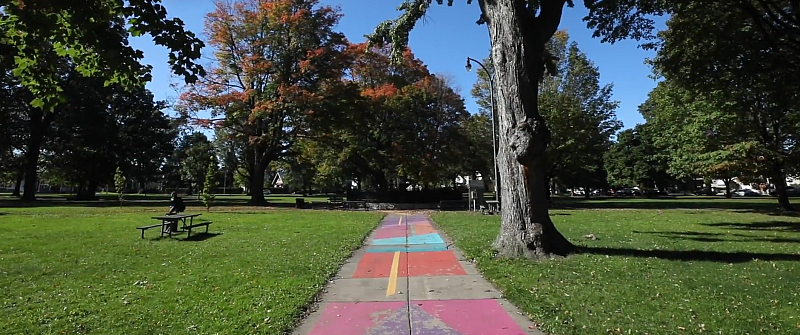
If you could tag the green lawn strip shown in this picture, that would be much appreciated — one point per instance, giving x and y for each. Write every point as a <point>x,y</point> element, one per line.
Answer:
<point>87,271</point>
<point>621,290</point>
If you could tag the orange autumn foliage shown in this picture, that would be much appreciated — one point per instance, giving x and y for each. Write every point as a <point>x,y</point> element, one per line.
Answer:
<point>380,92</point>
<point>273,58</point>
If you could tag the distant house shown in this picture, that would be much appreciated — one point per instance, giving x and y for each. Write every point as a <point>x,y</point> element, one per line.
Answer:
<point>277,180</point>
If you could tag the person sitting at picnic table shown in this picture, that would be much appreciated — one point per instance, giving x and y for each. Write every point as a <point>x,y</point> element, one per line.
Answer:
<point>176,204</point>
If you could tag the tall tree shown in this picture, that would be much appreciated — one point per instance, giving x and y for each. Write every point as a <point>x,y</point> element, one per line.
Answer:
<point>195,154</point>
<point>633,160</point>
<point>578,110</point>
<point>721,54</point>
<point>519,31</point>
<point>276,60</point>
<point>107,127</point>
<point>703,140</point>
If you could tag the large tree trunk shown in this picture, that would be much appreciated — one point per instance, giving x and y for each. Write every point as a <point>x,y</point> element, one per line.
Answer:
<point>257,174</point>
<point>780,187</point>
<point>257,187</point>
<point>517,50</point>
<point>18,183</point>
<point>727,182</point>
<point>88,190</point>
<point>32,152</point>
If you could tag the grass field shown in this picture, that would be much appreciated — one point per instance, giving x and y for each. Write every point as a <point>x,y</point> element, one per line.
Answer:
<point>653,271</point>
<point>85,270</point>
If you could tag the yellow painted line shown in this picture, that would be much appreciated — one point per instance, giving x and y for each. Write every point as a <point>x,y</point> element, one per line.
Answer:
<point>392,289</point>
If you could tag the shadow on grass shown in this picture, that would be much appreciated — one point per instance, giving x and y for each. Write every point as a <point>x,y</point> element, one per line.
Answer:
<point>768,225</point>
<point>197,237</point>
<point>716,237</point>
<point>691,255</point>
<point>683,202</point>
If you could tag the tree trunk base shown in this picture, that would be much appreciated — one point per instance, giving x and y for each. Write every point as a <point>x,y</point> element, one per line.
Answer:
<point>526,245</point>
<point>257,202</point>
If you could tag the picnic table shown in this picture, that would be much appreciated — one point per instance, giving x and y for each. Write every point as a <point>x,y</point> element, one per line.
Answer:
<point>493,206</point>
<point>169,224</point>
<point>335,202</point>
<point>356,205</point>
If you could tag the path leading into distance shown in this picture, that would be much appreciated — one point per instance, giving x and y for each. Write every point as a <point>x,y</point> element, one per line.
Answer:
<point>406,280</point>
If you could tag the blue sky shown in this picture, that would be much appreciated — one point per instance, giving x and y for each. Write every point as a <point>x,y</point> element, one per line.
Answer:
<point>443,41</point>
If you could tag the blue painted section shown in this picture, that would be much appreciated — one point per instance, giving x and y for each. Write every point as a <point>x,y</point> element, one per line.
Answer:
<point>410,248</point>
<point>416,239</point>
<point>432,238</point>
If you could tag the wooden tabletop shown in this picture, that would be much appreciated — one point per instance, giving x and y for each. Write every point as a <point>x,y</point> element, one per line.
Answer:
<point>175,216</point>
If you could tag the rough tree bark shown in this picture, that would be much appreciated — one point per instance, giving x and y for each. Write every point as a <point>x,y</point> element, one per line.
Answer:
<point>32,152</point>
<point>780,187</point>
<point>518,42</point>
<point>727,182</point>
<point>18,183</point>
<point>257,173</point>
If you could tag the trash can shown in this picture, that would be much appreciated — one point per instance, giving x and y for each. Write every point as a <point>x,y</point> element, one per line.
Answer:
<point>299,203</point>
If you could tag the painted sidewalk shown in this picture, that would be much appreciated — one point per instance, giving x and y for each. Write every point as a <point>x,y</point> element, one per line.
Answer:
<point>405,280</point>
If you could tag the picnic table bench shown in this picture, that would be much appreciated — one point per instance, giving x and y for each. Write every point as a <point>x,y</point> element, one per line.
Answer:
<point>452,205</point>
<point>335,201</point>
<point>169,224</point>
<point>492,206</point>
<point>356,205</point>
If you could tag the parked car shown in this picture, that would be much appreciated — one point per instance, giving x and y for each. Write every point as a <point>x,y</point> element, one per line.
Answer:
<point>747,193</point>
<point>629,192</point>
<point>705,192</point>
<point>790,191</point>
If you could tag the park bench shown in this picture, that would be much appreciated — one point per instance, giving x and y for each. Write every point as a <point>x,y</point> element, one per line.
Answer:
<point>335,201</point>
<point>150,226</point>
<point>319,204</point>
<point>356,205</point>
<point>492,206</point>
<point>445,205</point>
<point>195,225</point>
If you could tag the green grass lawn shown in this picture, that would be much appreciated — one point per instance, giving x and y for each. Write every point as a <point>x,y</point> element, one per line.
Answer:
<point>79,270</point>
<point>651,271</point>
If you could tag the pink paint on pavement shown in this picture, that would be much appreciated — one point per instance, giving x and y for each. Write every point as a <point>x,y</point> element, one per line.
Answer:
<point>356,318</point>
<point>471,317</point>
<point>390,231</point>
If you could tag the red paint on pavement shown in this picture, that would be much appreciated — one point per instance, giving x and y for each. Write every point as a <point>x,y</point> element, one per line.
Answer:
<point>379,265</point>
<point>420,229</point>
<point>433,263</point>
<point>471,317</point>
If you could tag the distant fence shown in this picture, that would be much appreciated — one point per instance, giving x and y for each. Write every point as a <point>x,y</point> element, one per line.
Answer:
<point>406,197</point>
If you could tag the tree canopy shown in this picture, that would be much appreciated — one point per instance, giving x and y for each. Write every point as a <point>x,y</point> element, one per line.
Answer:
<point>93,35</point>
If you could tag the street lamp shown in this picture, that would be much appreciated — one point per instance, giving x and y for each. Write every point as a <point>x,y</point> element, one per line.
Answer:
<point>491,106</point>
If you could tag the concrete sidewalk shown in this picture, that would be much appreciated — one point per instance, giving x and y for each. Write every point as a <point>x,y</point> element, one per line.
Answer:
<point>405,280</point>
